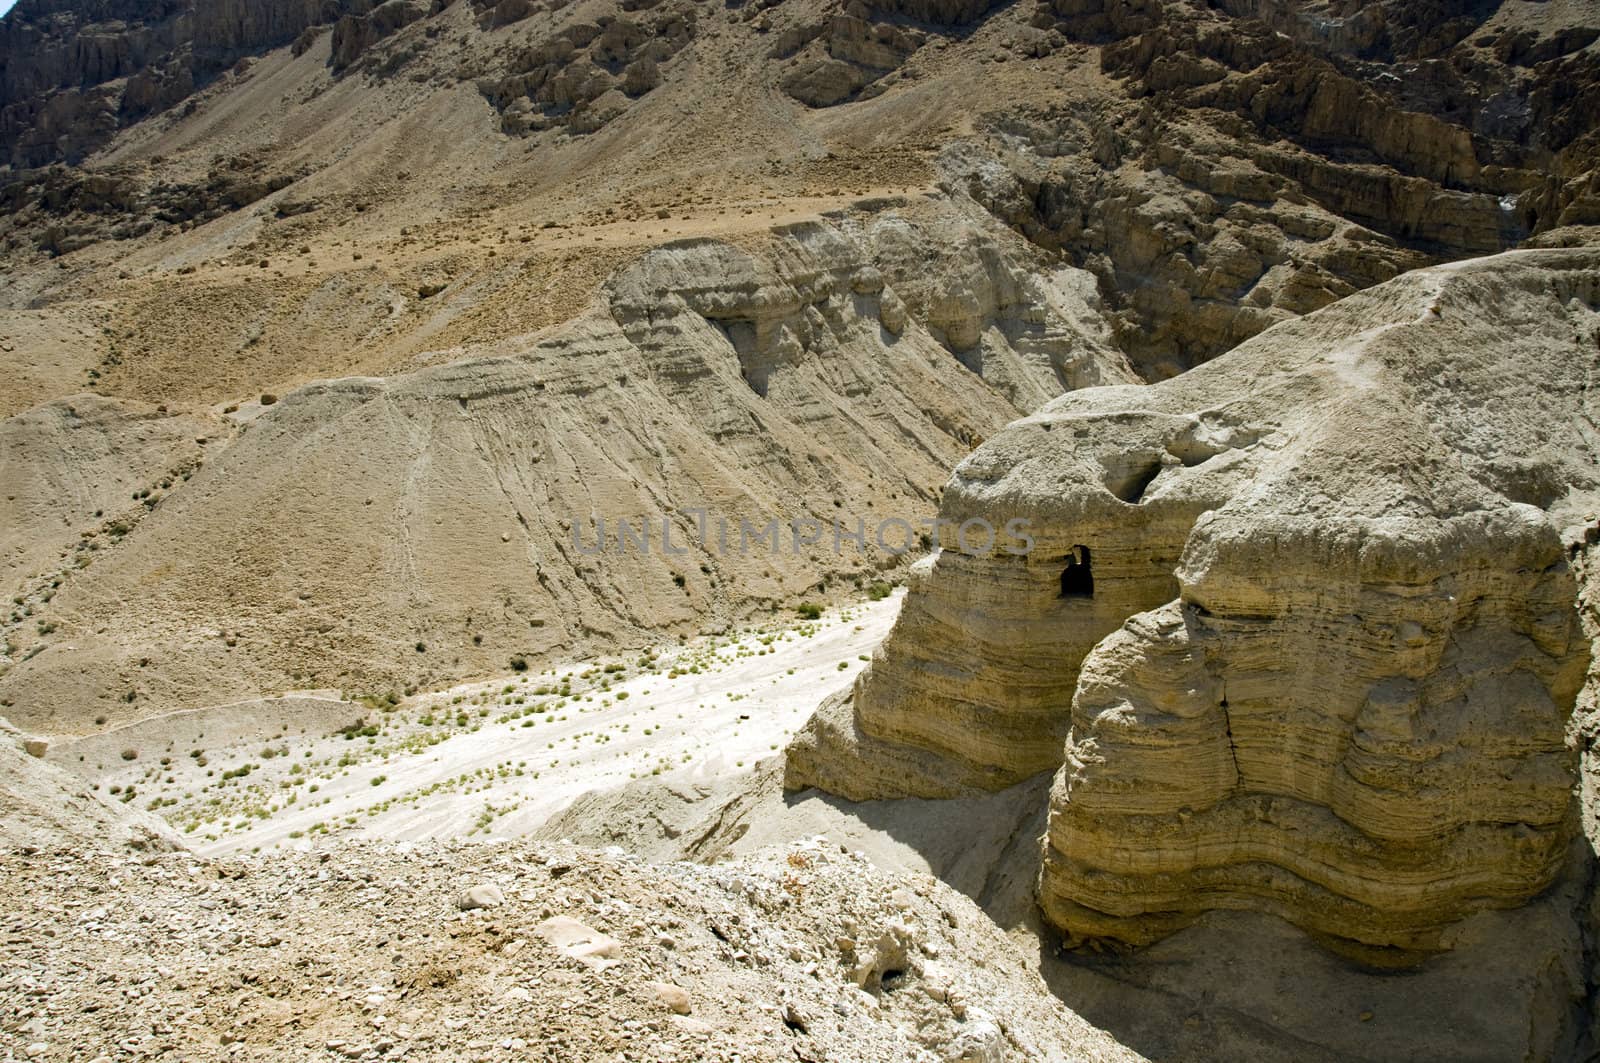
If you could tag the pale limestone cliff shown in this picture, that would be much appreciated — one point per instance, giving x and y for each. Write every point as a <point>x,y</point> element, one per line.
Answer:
<point>1324,656</point>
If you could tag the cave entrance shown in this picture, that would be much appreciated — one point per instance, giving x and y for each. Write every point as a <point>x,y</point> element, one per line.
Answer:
<point>1077,579</point>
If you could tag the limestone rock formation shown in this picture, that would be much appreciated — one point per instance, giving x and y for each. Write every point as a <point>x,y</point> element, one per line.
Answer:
<point>856,52</point>
<point>1274,162</point>
<point>586,74</point>
<point>1303,618</point>
<point>353,34</point>
<point>438,523</point>
<point>1217,167</point>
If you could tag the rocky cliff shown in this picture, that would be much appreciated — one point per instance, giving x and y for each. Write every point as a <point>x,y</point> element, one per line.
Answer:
<point>73,74</point>
<point>1276,161</point>
<point>1297,632</point>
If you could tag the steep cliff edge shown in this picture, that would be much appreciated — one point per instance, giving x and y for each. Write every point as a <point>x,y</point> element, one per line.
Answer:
<point>1297,630</point>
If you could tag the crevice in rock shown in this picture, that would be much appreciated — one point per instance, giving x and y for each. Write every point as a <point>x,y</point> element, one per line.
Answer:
<point>742,336</point>
<point>1131,475</point>
<point>1233,746</point>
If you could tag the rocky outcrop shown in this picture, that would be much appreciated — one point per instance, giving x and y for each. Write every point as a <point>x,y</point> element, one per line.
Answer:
<point>851,54</point>
<point>1194,256</point>
<point>353,34</point>
<point>1229,166</point>
<point>1303,617</point>
<point>62,209</point>
<point>588,73</point>
<point>1027,333</point>
<point>1269,161</point>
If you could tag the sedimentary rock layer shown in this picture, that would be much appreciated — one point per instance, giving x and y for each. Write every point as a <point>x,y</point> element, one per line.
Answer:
<point>445,521</point>
<point>1303,617</point>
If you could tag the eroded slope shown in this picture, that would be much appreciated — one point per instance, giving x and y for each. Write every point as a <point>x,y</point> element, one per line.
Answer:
<point>369,533</point>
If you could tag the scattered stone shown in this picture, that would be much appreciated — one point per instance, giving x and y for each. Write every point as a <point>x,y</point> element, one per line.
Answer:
<point>572,938</point>
<point>487,895</point>
<point>980,1041</point>
<point>673,996</point>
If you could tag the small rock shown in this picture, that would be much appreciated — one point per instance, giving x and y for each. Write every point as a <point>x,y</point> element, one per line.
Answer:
<point>683,1024</point>
<point>487,895</point>
<point>673,996</point>
<point>581,942</point>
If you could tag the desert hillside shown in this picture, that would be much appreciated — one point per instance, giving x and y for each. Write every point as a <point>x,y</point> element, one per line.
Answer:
<point>385,300</point>
<point>487,495</point>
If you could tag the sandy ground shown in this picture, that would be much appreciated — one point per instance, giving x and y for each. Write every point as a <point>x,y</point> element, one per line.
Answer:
<point>497,759</point>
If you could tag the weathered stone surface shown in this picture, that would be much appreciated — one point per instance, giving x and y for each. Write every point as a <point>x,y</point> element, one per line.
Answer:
<point>483,895</point>
<point>354,34</point>
<point>1328,656</point>
<point>1274,163</point>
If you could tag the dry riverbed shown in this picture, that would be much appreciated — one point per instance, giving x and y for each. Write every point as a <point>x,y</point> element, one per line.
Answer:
<point>495,759</point>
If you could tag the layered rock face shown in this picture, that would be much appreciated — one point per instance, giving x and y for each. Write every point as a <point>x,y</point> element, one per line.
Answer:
<point>588,73</point>
<point>73,74</point>
<point>1217,167</point>
<point>437,523</point>
<point>1303,617</point>
<point>1275,162</point>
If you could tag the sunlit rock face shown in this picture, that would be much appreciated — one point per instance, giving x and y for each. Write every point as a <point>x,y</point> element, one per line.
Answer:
<point>1297,631</point>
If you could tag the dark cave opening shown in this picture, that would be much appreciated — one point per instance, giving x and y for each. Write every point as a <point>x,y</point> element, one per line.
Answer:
<point>1077,579</point>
